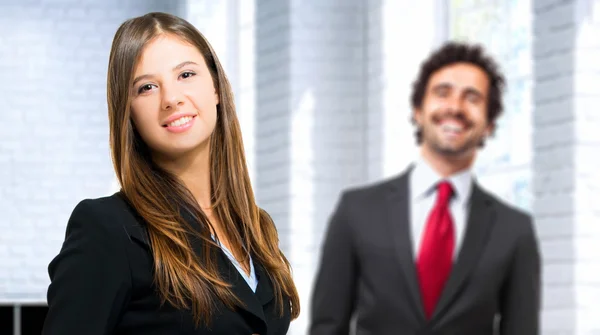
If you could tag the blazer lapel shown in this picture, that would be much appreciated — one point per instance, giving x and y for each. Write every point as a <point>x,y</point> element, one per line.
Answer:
<point>479,223</point>
<point>264,289</point>
<point>239,287</point>
<point>398,218</point>
<point>253,302</point>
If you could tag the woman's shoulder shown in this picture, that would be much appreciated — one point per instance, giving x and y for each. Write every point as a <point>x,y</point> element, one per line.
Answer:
<point>108,215</point>
<point>108,208</point>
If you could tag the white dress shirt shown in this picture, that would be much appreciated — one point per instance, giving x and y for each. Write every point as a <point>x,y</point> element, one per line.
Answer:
<point>423,193</point>
<point>251,278</point>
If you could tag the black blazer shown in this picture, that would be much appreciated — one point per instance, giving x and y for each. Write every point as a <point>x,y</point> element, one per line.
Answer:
<point>102,283</point>
<point>367,270</point>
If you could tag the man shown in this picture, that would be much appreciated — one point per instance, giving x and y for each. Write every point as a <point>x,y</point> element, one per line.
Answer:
<point>431,252</point>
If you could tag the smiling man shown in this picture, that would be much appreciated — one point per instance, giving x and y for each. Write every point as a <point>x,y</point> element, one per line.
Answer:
<point>429,251</point>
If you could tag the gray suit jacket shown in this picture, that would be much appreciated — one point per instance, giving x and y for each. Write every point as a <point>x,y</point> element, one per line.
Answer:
<point>367,272</point>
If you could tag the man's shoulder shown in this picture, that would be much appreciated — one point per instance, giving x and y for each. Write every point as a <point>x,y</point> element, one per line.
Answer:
<point>504,206</point>
<point>513,217</point>
<point>376,190</point>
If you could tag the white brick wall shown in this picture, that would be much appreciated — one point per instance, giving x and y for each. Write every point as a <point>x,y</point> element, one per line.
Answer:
<point>54,146</point>
<point>329,123</point>
<point>272,98</point>
<point>310,120</point>
<point>566,143</point>
<point>246,83</point>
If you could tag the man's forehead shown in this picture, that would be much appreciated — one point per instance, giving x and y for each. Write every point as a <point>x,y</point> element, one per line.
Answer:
<point>460,77</point>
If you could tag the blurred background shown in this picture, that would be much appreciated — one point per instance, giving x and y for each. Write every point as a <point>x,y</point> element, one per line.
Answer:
<point>322,90</point>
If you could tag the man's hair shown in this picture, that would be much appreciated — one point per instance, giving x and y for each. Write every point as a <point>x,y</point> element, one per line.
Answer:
<point>459,52</point>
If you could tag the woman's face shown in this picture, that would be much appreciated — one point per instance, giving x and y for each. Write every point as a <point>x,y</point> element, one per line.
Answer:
<point>174,101</point>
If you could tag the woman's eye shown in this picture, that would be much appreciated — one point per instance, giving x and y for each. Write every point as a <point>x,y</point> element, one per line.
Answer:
<point>145,88</point>
<point>187,74</point>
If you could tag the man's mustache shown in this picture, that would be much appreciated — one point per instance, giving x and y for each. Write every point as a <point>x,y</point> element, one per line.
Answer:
<point>455,116</point>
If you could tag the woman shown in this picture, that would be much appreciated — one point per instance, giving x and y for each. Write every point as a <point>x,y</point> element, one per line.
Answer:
<point>183,247</point>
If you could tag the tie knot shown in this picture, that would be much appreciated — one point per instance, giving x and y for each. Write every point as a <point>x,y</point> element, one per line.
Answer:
<point>445,191</point>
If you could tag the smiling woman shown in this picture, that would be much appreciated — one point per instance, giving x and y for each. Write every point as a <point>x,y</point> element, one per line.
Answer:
<point>182,247</point>
<point>173,99</point>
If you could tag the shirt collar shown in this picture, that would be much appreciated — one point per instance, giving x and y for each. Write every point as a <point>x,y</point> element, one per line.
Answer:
<point>424,180</point>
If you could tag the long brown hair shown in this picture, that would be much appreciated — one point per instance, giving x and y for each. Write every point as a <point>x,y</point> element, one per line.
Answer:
<point>183,278</point>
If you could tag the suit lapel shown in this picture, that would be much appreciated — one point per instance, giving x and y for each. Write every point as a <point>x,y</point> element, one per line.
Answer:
<point>479,223</point>
<point>239,287</point>
<point>252,302</point>
<point>398,218</point>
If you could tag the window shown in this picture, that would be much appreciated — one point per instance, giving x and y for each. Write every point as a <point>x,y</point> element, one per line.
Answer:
<point>504,28</point>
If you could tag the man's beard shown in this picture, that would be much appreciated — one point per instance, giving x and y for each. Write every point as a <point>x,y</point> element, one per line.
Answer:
<point>431,139</point>
<point>453,151</point>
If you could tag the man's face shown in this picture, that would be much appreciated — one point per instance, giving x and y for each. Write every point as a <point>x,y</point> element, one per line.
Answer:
<point>453,115</point>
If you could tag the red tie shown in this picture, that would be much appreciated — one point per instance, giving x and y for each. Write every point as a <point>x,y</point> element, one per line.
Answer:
<point>435,257</point>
